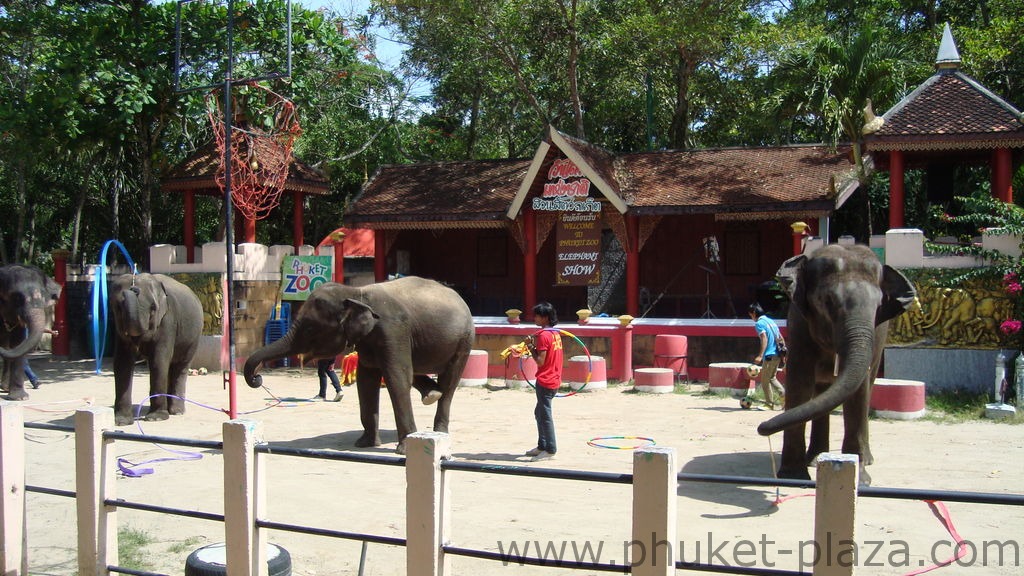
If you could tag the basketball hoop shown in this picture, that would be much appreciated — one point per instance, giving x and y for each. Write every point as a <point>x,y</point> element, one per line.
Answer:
<point>263,132</point>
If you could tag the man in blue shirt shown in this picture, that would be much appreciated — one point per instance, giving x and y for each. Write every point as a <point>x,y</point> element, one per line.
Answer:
<point>767,356</point>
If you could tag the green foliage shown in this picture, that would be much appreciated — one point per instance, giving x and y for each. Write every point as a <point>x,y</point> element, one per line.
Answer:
<point>131,548</point>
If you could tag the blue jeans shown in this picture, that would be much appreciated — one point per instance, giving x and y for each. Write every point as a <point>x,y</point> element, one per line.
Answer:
<point>545,420</point>
<point>32,378</point>
<point>325,370</point>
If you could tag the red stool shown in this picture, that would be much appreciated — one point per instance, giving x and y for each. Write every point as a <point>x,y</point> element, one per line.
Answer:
<point>730,377</point>
<point>519,374</point>
<point>897,399</point>
<point>670,352</point>
<point>576,373</point>
<point>475,372</point>
<point>654,380</point>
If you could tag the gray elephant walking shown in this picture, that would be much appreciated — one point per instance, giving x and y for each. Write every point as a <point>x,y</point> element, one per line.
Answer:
<point>403,330</point>
<point>159,319</point>
<point>842,299</point>
<point>27,298</point>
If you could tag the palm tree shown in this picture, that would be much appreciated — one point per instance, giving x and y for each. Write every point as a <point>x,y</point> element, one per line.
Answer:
<point>828,82</point>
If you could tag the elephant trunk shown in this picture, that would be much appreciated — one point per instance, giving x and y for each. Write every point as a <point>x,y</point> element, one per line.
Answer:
<point>856,348</point>
<point>277,349</point>
<point>35,321</point>
<point>133,325</point>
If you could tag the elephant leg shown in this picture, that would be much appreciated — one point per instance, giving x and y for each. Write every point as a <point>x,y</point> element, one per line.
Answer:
<point>368,387</point>
<point>16,379</point>
<point>448,381</point>
<point>398,383</point>
<point>793,448</point>
<point>5,376</point>
<point>819,439</point>
<point>177,377</point>
<point>428,388</point>
<point>124,366</point>
<point>159,375</point>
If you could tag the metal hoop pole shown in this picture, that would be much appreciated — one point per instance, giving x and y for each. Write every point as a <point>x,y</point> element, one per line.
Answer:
<point>229,233</point>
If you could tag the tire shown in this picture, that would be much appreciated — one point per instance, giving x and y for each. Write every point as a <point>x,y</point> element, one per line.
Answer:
<point>211,560</point>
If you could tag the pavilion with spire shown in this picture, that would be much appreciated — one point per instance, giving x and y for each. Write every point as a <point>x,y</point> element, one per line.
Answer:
<point>949,120</point>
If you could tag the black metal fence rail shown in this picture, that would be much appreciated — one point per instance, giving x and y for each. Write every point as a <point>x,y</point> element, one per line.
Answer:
<point>510,470</point>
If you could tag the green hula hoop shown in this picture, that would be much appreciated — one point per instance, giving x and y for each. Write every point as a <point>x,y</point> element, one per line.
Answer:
<point>595,442</point>
<point>590,365</point>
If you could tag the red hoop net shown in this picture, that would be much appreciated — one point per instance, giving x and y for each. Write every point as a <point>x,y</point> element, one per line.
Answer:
<point>264,128</point>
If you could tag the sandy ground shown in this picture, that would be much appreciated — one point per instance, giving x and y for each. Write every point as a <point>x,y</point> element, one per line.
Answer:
<point>712,435</point>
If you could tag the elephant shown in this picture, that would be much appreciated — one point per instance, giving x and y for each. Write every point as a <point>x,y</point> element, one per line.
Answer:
<point>27,299</point>
<point>841,301</point>
<point>403,330</point>
<point>159,319</point>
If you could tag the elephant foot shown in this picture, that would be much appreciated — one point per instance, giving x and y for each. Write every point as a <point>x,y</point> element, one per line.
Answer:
<point>865,478</point>
<point>431,397</point>
<point>400,449</point>
<point>794,473</point>
<point>368,440</point>
<point>157,415</point>
<point>17,395</point>
<point>176,410</point>
<point>123,419</point>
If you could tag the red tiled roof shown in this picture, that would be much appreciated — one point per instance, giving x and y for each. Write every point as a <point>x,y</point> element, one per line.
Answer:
<point>765,181</point>
<point>949,111</point>
<point>476,193</point>
<point>734,179</point>
<point>198,172</point>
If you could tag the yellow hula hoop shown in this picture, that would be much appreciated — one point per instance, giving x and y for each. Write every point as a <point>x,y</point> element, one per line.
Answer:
<point>590,364</point>
<point>645,442</point>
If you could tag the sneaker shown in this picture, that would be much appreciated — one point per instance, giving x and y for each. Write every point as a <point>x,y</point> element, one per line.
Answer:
<point>431,397</point>
<point>338,396</point>
<point>533,452</point>
<point>318,399</point>
<point>542,455</point>
<point>35,384</point>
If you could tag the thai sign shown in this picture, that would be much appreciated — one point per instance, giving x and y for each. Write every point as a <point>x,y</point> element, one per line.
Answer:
<point>578,235</point>
<point>300,275</point>
<point>566,190</point>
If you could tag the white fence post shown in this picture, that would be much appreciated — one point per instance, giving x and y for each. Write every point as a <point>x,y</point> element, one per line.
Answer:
<point>13,543</point>
<point>651,552</point>
<point>95,479</point>
<point>244,499</point>
<point>427,504</point>
<point>835,514</point>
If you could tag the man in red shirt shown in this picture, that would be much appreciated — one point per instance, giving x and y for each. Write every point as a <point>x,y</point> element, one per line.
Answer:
<point>546,348</point>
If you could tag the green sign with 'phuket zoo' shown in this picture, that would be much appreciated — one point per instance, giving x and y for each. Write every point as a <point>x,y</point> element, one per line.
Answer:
<point>300,275</point>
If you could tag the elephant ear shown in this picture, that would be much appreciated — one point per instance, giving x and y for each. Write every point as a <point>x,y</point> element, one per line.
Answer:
<point>52,290</point>
<point>158,307</point>
<point>358,320</point>
<point>898,295</point>
<point>788,273</point>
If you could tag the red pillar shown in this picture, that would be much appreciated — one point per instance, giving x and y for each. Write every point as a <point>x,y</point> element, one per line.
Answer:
<point>339,258</point>
<point>61,345</point>
<point>248,229</point>
<point>380,256</point>
<point>633,265</point>
<point>530,260</point>
<point>799,230</point>
<point>1002,174</point>
<point>896,194</point>
<point>190,226</point>
<point>298,215</point>
<point>622,353</point>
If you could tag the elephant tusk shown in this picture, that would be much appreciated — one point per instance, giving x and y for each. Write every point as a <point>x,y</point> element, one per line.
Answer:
<point>835,369</point>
